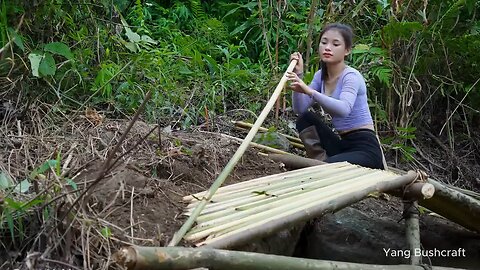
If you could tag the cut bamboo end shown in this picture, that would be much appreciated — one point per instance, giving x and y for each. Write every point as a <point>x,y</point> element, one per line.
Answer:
<point>419,191</point>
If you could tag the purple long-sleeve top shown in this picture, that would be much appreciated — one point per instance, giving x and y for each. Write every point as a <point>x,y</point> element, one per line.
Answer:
<point>347,105</point>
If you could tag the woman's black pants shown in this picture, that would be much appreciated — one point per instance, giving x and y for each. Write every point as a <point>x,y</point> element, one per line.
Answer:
<point>359,147</point>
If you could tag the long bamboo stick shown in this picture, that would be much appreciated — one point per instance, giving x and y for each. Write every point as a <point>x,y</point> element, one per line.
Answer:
<point>177,237</point>
<point>176,258</point>
<point>248,125</point>
<point>250,232</point>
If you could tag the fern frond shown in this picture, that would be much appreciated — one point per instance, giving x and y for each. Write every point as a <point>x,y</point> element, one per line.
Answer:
<point>197,9</point>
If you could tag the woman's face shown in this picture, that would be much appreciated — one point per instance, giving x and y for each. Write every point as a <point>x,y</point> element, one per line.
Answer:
<point>332,47</point>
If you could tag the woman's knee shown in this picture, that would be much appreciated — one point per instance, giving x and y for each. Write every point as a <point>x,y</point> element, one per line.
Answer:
<point>305,120</point>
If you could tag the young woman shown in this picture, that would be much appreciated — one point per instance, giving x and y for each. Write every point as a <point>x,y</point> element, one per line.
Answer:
<point>341,91</point>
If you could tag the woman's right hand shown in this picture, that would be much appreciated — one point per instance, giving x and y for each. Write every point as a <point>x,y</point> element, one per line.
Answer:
<point>298,69</point>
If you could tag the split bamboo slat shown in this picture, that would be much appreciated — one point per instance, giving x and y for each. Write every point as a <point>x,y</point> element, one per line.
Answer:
<point>246,206</point>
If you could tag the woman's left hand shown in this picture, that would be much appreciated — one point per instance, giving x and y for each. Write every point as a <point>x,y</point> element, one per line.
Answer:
<point>297,84</point>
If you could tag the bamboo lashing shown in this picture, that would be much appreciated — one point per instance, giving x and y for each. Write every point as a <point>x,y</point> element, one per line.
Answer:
<point>177,237</point>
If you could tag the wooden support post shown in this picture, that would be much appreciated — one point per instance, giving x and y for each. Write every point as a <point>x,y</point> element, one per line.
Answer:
<point>412,231</point>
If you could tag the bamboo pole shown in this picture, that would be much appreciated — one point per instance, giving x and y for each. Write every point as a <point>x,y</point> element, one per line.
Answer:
<point>419,191</point>
<point>179,258</point>
<point>412,230</point>
<point>177,237</point>
<point>278,223</point>
<point>294,161</point>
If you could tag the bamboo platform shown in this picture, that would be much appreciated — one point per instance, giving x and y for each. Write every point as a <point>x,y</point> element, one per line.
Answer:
<point>240,212</point>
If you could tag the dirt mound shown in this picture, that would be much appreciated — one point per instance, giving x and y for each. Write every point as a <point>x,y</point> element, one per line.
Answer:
<point>143,201</point>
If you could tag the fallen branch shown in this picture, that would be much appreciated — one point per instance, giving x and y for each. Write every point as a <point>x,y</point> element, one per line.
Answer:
<point>142,258</point>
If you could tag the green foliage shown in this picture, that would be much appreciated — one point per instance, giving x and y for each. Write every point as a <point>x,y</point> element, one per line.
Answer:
<point>204,58</point>
<point>42,62</point>
<point>272,139</point>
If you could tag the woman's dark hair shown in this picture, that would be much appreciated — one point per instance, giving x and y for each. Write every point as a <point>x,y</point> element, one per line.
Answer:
<point>347,34</point>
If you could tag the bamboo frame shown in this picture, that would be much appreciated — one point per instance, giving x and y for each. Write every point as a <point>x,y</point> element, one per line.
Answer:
<point>286,206</point>
<point>451,203</point>
<point>290,218</point>
<point>233,161</point>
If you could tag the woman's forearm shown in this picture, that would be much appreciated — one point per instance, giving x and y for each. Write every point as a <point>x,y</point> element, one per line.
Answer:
<point>301,102</point>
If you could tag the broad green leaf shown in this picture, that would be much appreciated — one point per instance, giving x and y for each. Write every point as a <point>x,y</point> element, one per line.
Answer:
<point>23,186</point>
<point>185,70</point>
<point>48,164</point>
<point>131,46</point>
<point>5,181</point>
<point>132,36</point>
<point>47,65</point>
<point>60,49</point>
<point>17,39</point>
<point>72,183</point>
<point>35,59</point>
<point>148,39</point>
<point>106,232</point>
